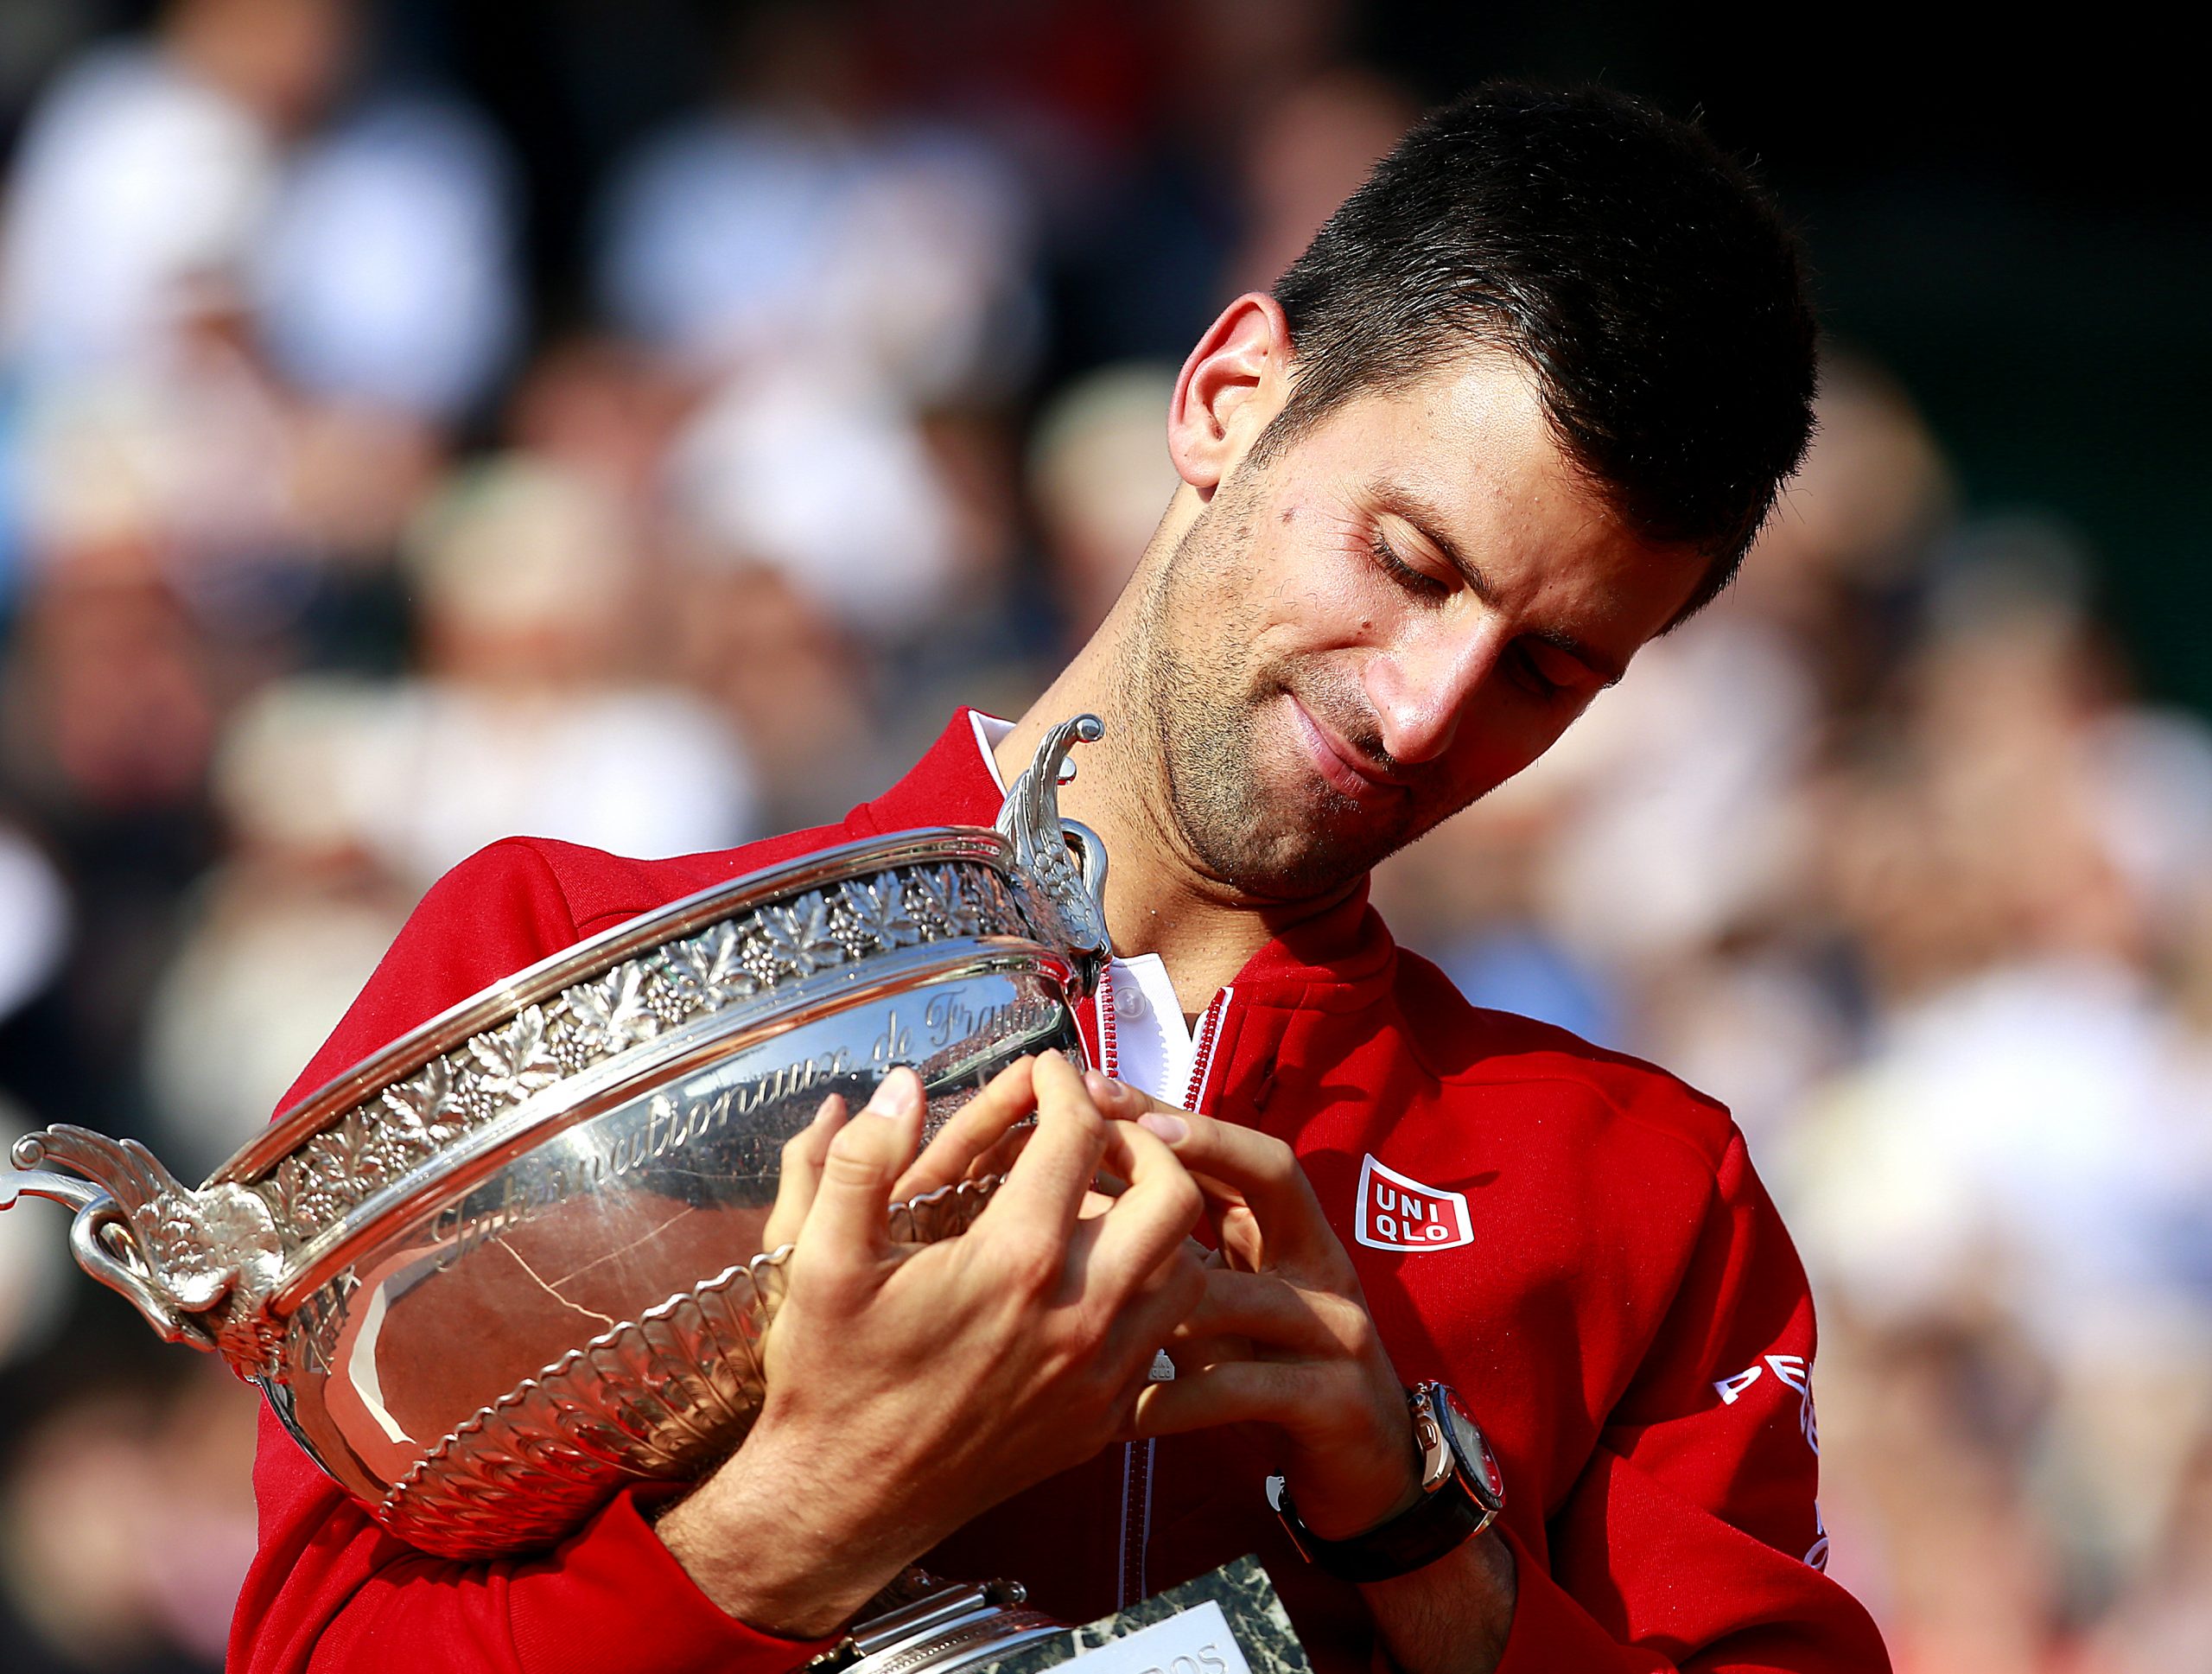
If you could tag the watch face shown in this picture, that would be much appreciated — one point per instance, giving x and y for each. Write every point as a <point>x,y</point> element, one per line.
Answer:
<point>1471,1448</point>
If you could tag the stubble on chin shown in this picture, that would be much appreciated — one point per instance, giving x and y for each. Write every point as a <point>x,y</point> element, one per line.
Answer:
<point>1209,725</point>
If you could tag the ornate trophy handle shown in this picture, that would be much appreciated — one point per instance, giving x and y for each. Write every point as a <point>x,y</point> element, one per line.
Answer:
<point>197,1265</point>
<point>1066,894</point>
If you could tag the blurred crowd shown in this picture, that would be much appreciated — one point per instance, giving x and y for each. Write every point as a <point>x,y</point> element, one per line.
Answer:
<point>336,541</point>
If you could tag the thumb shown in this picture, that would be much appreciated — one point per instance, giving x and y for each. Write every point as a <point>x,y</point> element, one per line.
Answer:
<point>851,1207</point>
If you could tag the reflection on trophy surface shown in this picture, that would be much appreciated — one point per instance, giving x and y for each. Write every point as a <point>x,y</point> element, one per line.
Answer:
<point>569,1176</point>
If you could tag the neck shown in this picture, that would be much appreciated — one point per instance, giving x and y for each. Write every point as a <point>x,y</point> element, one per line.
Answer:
<point>1161,898</point>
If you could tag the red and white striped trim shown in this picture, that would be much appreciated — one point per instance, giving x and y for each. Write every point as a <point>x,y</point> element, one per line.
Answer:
<point>1110,1057</point>
<point>1202,1060</point>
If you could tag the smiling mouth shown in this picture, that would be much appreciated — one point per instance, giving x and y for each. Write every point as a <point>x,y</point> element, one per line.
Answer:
<point>1341,768</point>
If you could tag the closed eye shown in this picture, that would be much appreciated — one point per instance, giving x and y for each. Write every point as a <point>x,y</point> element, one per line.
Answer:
<point>1400,571</point>
<point>1531,675</point>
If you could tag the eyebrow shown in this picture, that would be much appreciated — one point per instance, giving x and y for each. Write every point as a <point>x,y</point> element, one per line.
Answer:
<point>1428,523</point>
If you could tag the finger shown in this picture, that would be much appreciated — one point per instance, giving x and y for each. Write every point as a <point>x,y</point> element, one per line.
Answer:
<point>804,1153</point>
<point>849,1216</point>
<point>1271,1315</point>
<point>1151,1215</point>
<point>1241,1168</point>
<point>1051,1178</point>
<point>1190,1354</point>
<point>1228,1393</point>
<point>976,1129</point>
<point>1146,1319</point>
<point>998,1159</point>
<point>1235,1229</point>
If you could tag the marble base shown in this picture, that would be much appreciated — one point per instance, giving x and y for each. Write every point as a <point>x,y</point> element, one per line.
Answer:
<point>1241,1594</point>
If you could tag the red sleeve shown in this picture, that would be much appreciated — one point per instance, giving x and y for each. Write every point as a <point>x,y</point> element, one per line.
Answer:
<point>329,1590</point>
<point>1692,1540</point>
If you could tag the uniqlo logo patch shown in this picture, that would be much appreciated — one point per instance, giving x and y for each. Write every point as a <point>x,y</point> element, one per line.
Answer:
<point>1397,1213</point>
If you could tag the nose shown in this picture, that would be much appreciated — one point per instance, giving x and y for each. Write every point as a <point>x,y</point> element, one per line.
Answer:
<point>1423,689</point>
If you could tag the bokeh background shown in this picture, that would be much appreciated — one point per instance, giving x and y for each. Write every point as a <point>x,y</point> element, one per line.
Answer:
<point>641,421</point>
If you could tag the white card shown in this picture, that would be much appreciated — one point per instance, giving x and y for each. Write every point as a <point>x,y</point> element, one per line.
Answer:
<point>1194,1641</point>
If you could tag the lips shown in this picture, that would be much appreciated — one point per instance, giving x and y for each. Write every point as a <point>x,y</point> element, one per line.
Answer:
<point>1342,768</point>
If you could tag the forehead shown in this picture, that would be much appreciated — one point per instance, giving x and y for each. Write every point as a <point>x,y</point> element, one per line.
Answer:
<point>1469,431</point>
<point>1469,450</point>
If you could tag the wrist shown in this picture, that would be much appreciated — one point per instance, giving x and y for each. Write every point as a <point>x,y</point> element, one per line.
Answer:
<point>1455,1615</point>
<point>1360,1490</point>
<point>1461,1492</point>
<point>743,1539</point>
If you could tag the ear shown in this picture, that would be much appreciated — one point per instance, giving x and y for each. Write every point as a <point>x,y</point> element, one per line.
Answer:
<point>1236,379</point>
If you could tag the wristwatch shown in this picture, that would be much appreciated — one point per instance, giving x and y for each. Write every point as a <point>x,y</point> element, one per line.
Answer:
<point>1462,1492</point>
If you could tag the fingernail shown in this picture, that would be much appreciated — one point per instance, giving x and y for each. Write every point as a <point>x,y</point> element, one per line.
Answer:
<point>895,1094</point>
<point>1171,1128</point>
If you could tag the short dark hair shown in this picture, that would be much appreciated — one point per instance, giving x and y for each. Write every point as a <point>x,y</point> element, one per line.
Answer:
<point>1633,264</point>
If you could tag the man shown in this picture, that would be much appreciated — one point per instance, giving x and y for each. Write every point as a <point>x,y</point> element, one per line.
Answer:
<point>1519,408</point>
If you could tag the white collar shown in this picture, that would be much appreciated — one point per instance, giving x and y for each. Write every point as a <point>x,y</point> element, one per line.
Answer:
<point>990,733</point>
<point>1153,1049</point>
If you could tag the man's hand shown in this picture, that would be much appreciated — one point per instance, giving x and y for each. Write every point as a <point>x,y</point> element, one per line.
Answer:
<point>1283,1338</point>
<point>1282,1335</point>
<point>910,1390</point>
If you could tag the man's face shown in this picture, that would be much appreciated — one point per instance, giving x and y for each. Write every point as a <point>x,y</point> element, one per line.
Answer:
<point>1400,609</point>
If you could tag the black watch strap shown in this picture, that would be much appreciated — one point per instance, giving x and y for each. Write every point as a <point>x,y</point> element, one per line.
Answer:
<point>1462,1492</point>
<point>1439,1523</point>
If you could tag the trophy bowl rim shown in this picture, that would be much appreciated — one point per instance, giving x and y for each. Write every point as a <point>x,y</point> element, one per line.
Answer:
<point>478,1155</point>
<point>563,969</point>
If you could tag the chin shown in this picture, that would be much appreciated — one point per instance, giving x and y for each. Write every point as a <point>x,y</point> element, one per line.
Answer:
<point>1295,857</point>
<point>1262,820</point>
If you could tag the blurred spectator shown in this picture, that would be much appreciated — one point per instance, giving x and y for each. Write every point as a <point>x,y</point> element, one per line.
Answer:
<point>283,933</point>
<point>541,713</point>
<point>801,693</point>
<point>2025,1132</point>
<point>127,1520</point>
<point>146,173</point>
<point>1939,1414</point>
<point>116,697</point>
<point>833,485</point>
<point>1305,154</point>
<point>244,293</point>
<point>34,919</point>
<point>1100,478</point>
<point>384,275</point>
<point>2164,1619</point>
<point>604,408</point>
<point>798,225</point>
<point>221,166</point>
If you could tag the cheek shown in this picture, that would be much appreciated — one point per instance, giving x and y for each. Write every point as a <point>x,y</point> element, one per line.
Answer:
<point>1321,588</point>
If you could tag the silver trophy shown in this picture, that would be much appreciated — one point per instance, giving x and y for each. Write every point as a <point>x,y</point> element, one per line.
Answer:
<point>512,1262</point>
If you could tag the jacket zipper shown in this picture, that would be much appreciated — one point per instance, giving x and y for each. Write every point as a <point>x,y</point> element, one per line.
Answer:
<point>1202,1059</point>
<point>1137,1457</point>
<point>1101,1001</point>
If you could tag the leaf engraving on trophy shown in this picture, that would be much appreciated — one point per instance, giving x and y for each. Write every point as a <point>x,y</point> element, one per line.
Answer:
<point>613,1012</point>
<point>799,935</point>
<point>879,912</point>
<point>706,972</point>
<point>943,887</point>
<point>422,1109</point>
<point>513,1062</point>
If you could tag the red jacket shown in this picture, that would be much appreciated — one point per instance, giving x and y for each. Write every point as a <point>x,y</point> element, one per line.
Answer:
<point>1593,1264</point>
